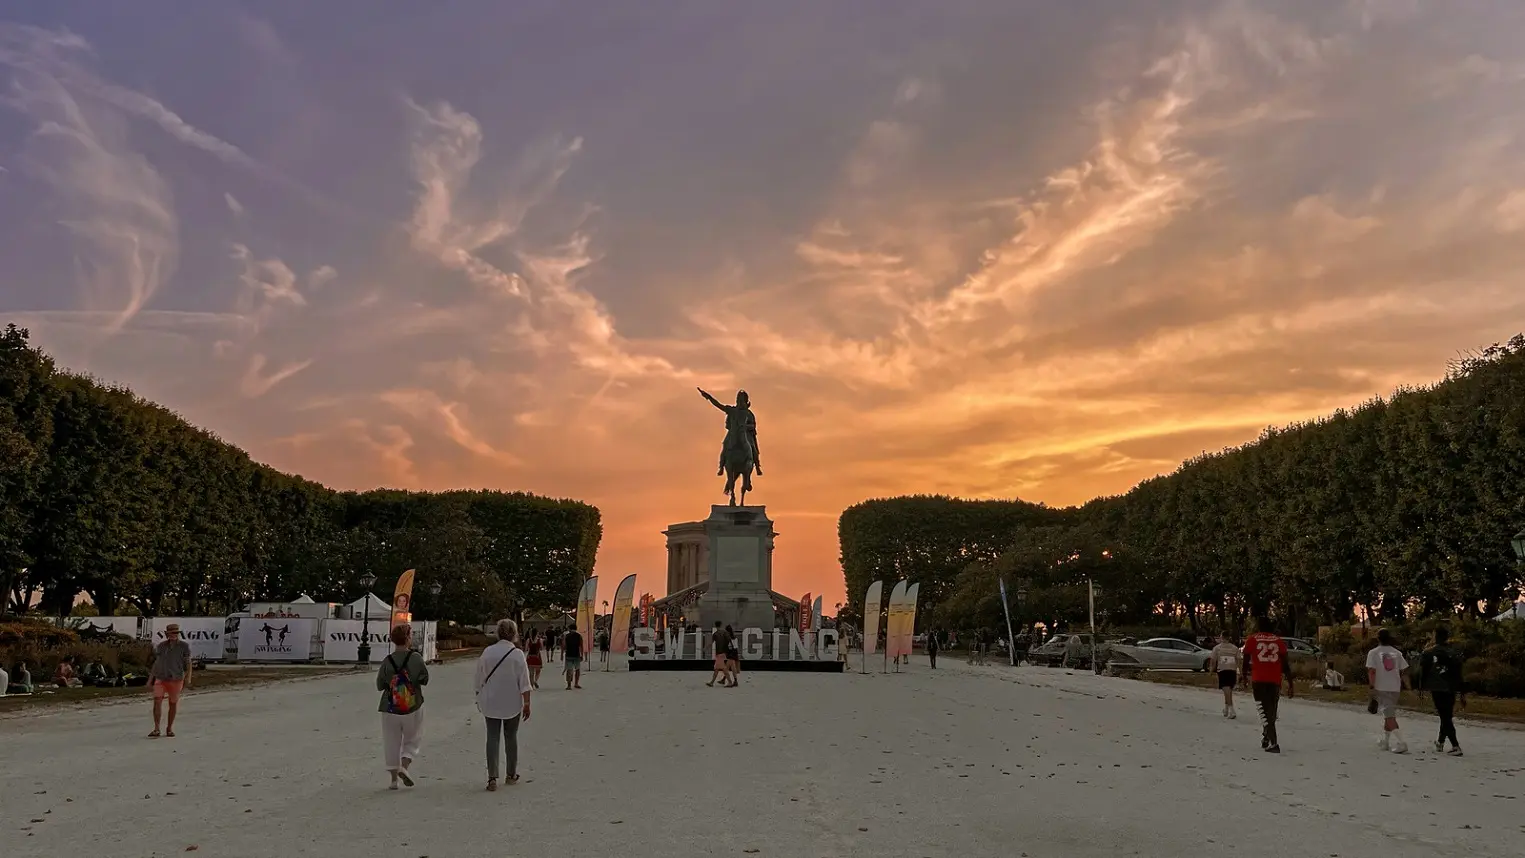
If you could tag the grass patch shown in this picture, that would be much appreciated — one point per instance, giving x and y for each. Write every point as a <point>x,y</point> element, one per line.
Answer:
<point>1497,709</point>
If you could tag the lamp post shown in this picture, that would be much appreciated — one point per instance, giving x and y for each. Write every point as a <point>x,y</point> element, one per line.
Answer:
<point>1095,662</point>
<point>434,591</point>
<point>367,581</point>
<point>1022,584</point>
<point>1519,546</point>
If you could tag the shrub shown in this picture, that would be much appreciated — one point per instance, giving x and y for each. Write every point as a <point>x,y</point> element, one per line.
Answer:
<point>41,634</point>
<point>128,656</point>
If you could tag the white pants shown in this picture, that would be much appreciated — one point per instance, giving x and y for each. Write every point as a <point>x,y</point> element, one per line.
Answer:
<point>400,737</point>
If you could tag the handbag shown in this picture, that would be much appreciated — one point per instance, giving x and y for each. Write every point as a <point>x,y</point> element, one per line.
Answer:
<point>488,678</point>
<point>1371,705</point>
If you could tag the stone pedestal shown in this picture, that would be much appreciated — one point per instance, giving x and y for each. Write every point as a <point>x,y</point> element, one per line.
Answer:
<point>740,568</point>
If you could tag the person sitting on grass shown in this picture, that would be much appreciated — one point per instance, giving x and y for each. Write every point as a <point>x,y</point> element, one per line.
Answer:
<point>21,681</point>
<point>64,676</point>
<point>1333,679</point>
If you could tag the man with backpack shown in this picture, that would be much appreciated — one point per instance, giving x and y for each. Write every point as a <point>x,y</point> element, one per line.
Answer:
<point>1440,673</point>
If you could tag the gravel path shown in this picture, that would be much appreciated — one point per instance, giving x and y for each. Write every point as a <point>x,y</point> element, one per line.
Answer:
<point>964,761</point>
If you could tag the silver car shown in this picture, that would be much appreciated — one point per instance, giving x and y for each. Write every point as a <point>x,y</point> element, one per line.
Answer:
<point>1161,654</point>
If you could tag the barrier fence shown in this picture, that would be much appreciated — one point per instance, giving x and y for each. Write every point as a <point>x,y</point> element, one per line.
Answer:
<point>269,639</point>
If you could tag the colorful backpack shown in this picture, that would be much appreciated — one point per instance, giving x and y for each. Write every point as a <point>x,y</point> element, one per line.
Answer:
<point>402,692</point>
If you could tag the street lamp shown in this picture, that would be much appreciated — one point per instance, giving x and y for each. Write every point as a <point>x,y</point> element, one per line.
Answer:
<point>1519,545</point>
<point>434,591</point>
<point>367,581</point>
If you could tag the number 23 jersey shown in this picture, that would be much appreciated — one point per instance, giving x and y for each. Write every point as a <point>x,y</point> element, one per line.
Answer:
<point>1266,653</point>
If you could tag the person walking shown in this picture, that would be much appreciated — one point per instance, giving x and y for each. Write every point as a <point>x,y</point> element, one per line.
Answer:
<point>532,657</point>
<point>1385,665</point>
<point>1072,650</point>
<point>1229,662</point>
<point>1266,654</point>
<point>503,690</point>
<point>732,656</point>
<point>1440,673</point>
<point>603,646</point>
<point>720,642</point>
<point>571,658</point>
<point>168,676</point>
<point>401,680</point>
<point>932,648</point>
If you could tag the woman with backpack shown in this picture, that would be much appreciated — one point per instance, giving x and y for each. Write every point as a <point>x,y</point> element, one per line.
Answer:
<point>401,681</point>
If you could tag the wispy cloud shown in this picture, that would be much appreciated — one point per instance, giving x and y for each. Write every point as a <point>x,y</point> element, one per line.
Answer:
<point>1049,263</point>
<point>111,197</point>
<point>256,382</point>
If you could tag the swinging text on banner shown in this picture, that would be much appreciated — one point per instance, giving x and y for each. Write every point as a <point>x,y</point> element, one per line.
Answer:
<point>204,634</point>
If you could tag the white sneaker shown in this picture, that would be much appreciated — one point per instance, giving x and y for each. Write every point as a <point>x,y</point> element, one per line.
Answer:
<point>1402,748</point>
<point>1232,715</point>
<point>1440,747</point>
<point>1384,744</point>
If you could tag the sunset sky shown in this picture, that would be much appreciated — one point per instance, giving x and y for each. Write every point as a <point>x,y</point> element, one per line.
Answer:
<point>991,248</point>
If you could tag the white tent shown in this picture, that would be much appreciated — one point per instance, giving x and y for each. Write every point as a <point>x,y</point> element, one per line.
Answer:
<point>303,599</point>
<point>1515,613</point>
<point>357,609</point>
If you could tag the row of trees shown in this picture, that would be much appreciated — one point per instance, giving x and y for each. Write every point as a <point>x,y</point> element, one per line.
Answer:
<point>104,493</point>
<point>1399,508</point>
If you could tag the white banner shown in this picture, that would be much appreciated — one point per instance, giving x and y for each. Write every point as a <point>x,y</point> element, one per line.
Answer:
<point>117,625</point>
<point>341,639</point>
<point>275,638</point>
<point>204,634</point>
<point>871,606</point>
<point>430,639</point>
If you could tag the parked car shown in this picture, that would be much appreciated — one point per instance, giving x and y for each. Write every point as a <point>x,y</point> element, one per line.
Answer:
<point>1051,653</point>
<point>1161,654</point>
<point>1299,649</point>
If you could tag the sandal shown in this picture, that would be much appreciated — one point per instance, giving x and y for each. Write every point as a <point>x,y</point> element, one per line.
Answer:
<point>403,775</point>
<point>492,784</point>
<point>169,734</point>
<point>154,735</point>
<point>510,780</point>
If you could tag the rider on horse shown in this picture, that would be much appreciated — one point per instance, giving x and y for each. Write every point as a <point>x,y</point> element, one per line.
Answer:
<point>740,428</point>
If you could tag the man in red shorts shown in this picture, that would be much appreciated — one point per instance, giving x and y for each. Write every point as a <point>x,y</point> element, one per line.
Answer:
<point>1266,654</point>
<point>169,675</point>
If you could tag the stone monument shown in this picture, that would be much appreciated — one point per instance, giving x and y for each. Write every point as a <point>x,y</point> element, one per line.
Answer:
<point>740,568</point>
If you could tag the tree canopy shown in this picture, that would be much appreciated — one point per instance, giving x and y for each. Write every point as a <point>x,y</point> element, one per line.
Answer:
<point>106,493</point>
<point>1400,507</point>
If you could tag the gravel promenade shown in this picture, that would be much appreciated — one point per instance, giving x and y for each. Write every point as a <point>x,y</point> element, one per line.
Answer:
<point>965,762</point>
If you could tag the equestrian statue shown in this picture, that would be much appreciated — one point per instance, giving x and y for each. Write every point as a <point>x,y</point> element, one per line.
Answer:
<point>738,454</point>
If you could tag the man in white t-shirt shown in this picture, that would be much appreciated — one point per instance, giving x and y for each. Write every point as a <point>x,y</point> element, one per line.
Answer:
<point>1228,661</point>
<point>503,696</point>
<point>1385,666</point>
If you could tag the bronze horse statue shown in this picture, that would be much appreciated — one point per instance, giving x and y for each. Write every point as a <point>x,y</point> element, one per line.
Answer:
<point>738,454</point>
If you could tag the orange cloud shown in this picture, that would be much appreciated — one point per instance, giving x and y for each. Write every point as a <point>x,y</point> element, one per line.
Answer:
<point>1231,221</point>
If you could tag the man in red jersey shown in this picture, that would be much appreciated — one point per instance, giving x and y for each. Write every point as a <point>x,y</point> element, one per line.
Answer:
<point>1266,654</point>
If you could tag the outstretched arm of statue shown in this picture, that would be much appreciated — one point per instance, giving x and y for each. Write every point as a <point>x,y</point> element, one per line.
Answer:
<point>712,400</point>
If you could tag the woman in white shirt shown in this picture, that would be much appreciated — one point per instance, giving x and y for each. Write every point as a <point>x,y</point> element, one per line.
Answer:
<point>503,697</point>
